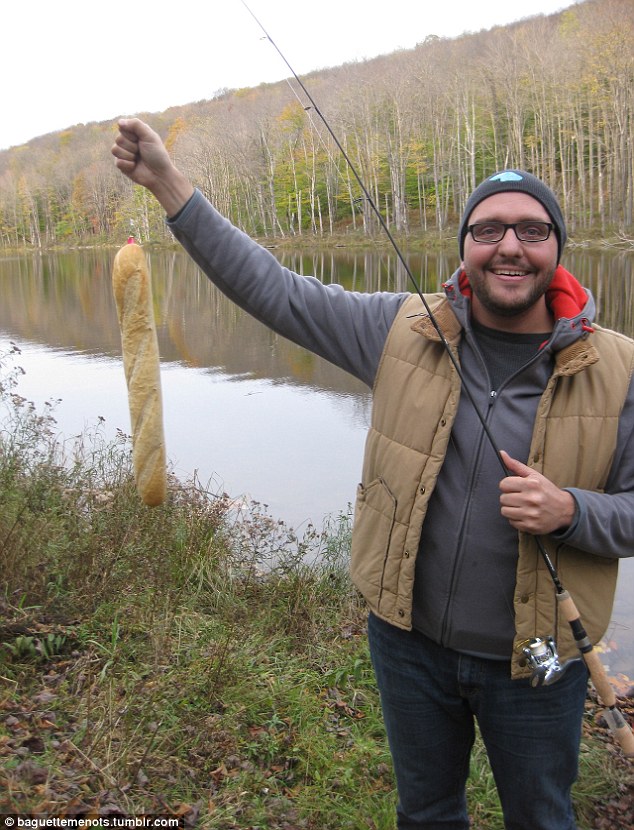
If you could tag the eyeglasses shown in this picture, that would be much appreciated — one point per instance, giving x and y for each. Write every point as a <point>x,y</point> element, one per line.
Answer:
<point>492,232</point>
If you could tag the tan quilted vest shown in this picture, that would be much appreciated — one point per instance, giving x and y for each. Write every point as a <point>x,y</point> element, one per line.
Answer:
<point>416,396</point>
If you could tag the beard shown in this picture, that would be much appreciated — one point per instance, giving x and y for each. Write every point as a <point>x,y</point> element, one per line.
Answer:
<point>508,303</point>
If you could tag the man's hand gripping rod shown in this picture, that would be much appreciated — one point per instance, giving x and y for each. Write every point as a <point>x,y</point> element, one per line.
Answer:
<point>614,718</point>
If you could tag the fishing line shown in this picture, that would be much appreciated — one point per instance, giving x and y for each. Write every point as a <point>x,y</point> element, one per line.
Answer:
<point>544,659</point>
<point>313,123</point>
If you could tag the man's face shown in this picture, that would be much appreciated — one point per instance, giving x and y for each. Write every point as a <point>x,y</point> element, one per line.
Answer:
<point>509,277</point>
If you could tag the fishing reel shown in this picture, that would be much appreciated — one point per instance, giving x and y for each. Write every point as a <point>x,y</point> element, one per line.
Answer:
<point>541,656</point>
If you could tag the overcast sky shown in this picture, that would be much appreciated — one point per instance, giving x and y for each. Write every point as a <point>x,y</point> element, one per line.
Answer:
<point>67,62</point>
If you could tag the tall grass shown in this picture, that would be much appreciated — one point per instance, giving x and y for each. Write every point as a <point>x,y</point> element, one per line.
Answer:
<point>196,659</point>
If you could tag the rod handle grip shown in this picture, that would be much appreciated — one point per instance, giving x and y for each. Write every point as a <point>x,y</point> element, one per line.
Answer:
<point>613,717</point>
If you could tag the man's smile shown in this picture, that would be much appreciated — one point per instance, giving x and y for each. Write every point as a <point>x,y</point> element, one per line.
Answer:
<point>506,275</point>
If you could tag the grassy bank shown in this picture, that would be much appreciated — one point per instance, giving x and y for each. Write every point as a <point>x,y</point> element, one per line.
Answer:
<point>196,659</point>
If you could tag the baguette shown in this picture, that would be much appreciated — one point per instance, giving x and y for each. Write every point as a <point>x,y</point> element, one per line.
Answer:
<point>133,296</point>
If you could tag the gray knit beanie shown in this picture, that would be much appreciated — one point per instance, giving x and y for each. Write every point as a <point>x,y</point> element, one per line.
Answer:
<point>524,183</point>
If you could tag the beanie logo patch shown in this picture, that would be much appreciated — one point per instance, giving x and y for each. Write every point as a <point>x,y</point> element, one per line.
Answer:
<point>507,176</point>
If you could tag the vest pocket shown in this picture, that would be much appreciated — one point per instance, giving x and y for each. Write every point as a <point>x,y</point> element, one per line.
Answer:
<point>375,513</point>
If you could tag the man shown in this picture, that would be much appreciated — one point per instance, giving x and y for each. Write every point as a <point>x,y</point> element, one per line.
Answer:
<point>444,538</point>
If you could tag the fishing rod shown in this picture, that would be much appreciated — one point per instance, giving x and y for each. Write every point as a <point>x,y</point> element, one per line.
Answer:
<point>541,654</point>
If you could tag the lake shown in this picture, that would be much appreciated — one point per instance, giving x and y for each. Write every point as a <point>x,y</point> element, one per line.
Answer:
<point>246,412</point>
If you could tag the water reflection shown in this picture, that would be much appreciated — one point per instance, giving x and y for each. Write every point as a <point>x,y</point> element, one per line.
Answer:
<point>65,301</point>
<point>250,412</point>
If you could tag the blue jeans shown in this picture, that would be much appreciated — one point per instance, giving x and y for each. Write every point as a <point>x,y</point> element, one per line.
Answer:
<point>431,696</point>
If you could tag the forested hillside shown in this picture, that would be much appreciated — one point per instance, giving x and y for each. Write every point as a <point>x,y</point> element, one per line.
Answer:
<point>554,95</point>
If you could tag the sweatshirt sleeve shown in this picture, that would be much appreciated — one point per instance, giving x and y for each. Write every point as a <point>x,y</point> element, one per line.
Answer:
<point>347,328</point>
<point>604,523</point>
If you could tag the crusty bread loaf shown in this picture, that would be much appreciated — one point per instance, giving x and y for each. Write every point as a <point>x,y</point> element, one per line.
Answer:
<point>133,295</point>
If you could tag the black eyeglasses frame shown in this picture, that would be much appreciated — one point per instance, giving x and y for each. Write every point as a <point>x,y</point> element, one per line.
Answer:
<point>505,226</point>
